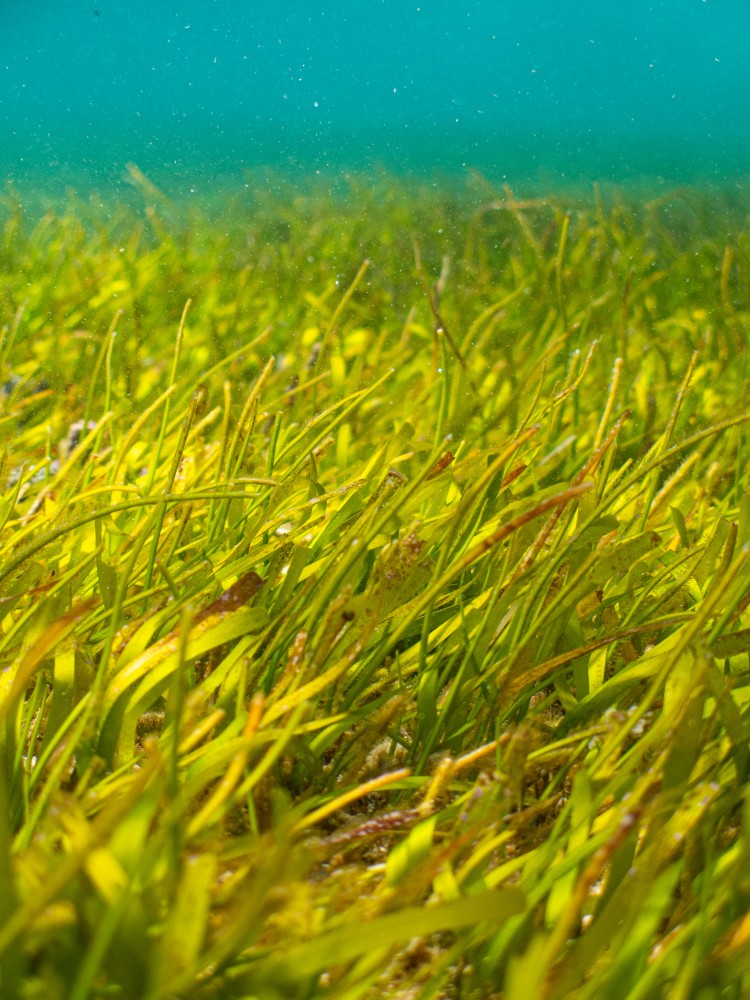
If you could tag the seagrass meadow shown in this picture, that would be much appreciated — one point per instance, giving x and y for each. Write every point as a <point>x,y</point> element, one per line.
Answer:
<point>374,593</point>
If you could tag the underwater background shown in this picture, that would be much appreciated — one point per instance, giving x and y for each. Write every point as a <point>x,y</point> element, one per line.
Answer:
<point>556,92</point>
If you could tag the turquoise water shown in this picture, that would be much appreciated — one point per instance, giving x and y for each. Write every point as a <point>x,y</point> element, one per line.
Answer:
<point>557,90</point>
